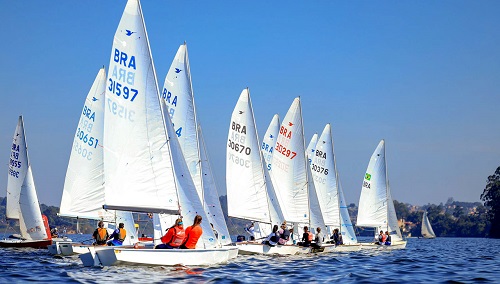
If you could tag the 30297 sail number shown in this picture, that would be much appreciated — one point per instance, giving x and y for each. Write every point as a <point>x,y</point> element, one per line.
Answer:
<point>286,152</point>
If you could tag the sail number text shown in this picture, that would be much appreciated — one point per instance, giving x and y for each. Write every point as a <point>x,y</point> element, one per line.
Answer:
<point>120,110</point>
<point>123,91</point>
<point>366,184</point>
<point>286,152</point>
<point>14,163</point>
<point>319,169</point>
<point>91,141</point>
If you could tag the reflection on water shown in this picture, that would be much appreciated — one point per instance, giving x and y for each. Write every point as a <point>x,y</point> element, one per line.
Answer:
<point>438,260</point>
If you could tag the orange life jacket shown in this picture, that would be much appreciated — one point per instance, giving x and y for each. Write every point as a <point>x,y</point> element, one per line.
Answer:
<point>309,236</point>
<point>122,235</point>
<point>177,238</point>
<point>193,234</point>
<point>102,235</point>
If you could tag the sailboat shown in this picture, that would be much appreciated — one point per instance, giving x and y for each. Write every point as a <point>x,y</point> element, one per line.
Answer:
<point>22,201</point>
<point>330,194</point>
<point>376,207</point>
<point>83,192</point>
<point>426,230</point>
<point>291,175</point>
<point>144,167</point>
<point>246,181</point>
<point>177,94</point>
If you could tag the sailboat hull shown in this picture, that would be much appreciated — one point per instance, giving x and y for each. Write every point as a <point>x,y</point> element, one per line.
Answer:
<point>341,248</point>
<point>164,257</point>
<point>256,248</point>
<point>393,246</point>
<point>16,243</point>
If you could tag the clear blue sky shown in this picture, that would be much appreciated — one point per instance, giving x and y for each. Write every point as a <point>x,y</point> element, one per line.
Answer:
<point>424,75</point>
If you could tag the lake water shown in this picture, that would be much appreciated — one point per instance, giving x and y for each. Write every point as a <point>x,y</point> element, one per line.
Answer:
<point>442,260</point>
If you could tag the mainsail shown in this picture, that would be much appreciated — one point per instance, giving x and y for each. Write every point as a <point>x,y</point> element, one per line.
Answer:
<point>376,207</point>
<point>83,193</point>
<point>21,192</point>
<point>139,175</point>
<point>426,230</point>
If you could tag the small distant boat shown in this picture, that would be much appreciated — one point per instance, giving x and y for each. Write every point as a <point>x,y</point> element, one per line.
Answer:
<point>376,207</point>
<point>22,201</point>
<point>427,231</point>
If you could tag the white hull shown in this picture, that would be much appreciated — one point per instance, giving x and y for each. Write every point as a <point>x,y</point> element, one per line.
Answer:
<point>165,257</point>
<point>256,248</point>
<point>70,248</point>
<point>341,248</point>
<point>393,246</point>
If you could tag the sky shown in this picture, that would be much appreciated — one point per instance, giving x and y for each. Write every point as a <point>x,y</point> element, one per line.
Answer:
<point>423,75</point>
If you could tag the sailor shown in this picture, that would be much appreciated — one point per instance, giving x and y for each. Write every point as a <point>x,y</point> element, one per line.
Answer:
<point>118,236</point>
<point>193,233</point>
<point>100,234</point>
<point>174,237</point>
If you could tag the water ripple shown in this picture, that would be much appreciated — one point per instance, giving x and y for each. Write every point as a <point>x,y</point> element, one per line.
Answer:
<point>442,260</point>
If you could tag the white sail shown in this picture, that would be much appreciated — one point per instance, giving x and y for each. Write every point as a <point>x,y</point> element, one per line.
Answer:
<point>269,140</point>
<point>189,199</point>
<point>315,197</point>
<point>289,173</point>
<point>178,95</point>
<point>127,219</point>
<point>18,168</point>
<point>245,181</point>
<point>30,222</point>
<point>83,193</point>
<point>426,230</point>
<point>376,208</point>
<point>325,178</point>
<point>311,148</point>
<point>212,201</point>
<point>24,193</point>
<point>346,229</point>
<point>138,170</point>
<point>267,149</point>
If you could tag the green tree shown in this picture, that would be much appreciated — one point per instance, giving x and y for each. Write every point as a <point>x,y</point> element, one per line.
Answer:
<point>491,198</point>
